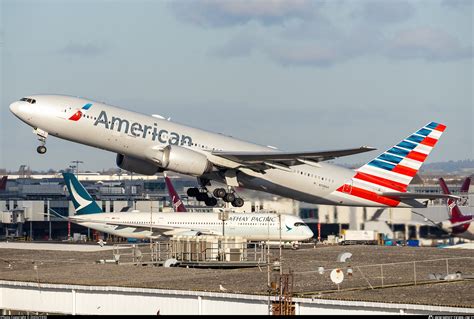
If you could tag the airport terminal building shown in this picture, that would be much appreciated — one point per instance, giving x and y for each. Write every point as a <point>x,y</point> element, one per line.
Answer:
<point>30,203</point>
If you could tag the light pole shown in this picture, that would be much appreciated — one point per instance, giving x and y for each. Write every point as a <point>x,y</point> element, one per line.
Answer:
<point>224,215</point>
<point>77,167</point>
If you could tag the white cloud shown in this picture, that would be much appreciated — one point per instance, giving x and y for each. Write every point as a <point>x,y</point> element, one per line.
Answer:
<point>313,55</point>
<point>217,13</point>
<point>427,43</point>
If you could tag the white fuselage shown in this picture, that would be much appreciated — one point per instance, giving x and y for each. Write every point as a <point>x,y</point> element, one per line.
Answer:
<point>253,227</point>
<point>134,134</point>
<point>465,231</point>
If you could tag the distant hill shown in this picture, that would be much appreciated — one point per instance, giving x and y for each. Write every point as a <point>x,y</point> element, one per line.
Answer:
<point>460,166</point>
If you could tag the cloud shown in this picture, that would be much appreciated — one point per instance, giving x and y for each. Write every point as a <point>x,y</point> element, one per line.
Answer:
<point>427,43</point>
<point>84,49</point>
<point>310,33</point>
<point>304,55</point>
<point>217,13</point>
<point>384,12</point>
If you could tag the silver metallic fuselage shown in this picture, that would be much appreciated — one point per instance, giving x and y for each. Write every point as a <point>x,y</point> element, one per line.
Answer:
<point>309,183</point>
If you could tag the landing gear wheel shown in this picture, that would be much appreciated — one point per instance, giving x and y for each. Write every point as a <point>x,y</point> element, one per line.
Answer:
<point>219,192</point>
<point>211,201</point>
<point>202,197</point>
<point>229,197</point>
<point>192,192</point>
<point>41,149</point>
<point>238,202</point>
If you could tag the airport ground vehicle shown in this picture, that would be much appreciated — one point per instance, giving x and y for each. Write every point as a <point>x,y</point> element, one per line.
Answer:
<point>354,237</point>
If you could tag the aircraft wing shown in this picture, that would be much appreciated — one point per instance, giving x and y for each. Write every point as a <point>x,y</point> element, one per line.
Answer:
<point>400,196</point>
<point>276,159</point>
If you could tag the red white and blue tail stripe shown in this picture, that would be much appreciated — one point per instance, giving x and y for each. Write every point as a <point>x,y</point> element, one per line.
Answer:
<point>394,169</point>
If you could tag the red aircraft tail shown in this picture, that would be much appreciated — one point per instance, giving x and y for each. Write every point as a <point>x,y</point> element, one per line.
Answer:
<point>454,211</point>
<point>465,185</point>
<point>3,183</point>
<point>178,205</point>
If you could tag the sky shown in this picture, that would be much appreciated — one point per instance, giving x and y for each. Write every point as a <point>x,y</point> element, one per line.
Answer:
<point>299,75</point>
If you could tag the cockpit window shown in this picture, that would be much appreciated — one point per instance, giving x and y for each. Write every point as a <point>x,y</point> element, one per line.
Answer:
<point>297,224</point>
<point>31,101</point>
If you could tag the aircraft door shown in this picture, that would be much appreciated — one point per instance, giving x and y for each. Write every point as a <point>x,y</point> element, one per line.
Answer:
<point>347,188</point>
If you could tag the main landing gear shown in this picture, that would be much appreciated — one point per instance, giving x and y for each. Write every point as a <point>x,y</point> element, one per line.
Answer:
<point>228,197</point>
<point>42,135</point>
<point>203,196</point>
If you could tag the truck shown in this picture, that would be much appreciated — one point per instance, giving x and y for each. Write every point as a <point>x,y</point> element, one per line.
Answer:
<point>359,237</point>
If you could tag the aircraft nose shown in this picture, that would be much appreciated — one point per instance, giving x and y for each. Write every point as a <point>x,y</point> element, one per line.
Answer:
<point>15,107</point>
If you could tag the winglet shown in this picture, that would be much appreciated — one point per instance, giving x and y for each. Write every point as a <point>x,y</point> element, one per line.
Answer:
<point>82,200</point>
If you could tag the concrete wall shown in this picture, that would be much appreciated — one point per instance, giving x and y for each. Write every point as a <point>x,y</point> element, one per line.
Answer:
<point>97,300</point>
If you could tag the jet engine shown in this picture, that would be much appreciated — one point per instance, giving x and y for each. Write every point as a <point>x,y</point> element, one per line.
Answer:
<point>185,161</point>
<point>136,165</point>
<point>190,233</point>
<point>446,225</point>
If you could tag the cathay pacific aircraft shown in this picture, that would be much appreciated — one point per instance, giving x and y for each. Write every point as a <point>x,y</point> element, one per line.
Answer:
<point>149,144</point>
<point>146,225</point>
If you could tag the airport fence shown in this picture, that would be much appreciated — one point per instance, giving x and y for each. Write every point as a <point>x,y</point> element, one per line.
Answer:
<point>190,251</point>
<point>385,275</point>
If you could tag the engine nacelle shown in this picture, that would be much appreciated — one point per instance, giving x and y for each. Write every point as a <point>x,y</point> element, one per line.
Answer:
<point>185,161</point>
<point>136,165</point>
<point>189,233</point>
<point>446,225</point>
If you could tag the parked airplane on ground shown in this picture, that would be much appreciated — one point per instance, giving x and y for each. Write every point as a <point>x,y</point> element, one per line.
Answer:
<point>458,225</point>
<point>147,225</point>
<point>150,144</point>
<point>3,183</point>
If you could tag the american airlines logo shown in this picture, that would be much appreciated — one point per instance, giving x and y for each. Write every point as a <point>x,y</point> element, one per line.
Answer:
<point>76,116</point>
<point>142,130</point>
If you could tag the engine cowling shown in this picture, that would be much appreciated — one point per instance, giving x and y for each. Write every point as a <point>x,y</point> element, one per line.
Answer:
<point>189,233</point>
<point>446,225</point>
<point>136,165</point>
<point>185,161</point>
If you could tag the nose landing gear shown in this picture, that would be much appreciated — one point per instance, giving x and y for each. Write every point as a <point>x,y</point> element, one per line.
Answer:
<point>41,149</point>
<point>42,135</point>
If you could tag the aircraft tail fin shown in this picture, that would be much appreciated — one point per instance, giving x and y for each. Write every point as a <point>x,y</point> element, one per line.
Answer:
<point>465,185</point>
<point>178,205</point>
<point>395,168</point>
<point>3,183</point>
<point>82,200</point>
<point>453,209</point>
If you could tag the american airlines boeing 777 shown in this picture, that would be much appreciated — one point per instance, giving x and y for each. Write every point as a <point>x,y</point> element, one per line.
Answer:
<point>149,144</point>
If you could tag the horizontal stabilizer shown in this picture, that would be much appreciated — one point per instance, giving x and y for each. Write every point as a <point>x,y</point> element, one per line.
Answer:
<point>400,195</point>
